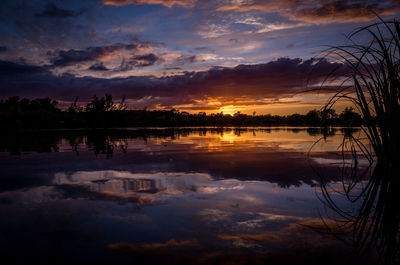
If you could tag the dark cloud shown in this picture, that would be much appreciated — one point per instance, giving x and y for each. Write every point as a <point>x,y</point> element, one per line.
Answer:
<point>3,49</point>
<point>8,68</point>
<point>348,10</point>
<point>33,27</point>
<point>167,3</point>
<point>98,67</point>
<point>185,59</point>
<point>139,61</point>
<point>276,78</point>
<point>321,11</point>
<point>52,11</point>
<point>172,68</point>
<point>144,60</point>
<point>70,57</point>
<point>282,77</point>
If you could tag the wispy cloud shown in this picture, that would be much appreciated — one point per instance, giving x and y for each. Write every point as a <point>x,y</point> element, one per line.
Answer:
<point>213,30</point>
<point>139,61</point>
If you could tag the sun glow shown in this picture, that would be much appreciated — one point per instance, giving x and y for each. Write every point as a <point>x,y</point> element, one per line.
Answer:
<point>231,109</point>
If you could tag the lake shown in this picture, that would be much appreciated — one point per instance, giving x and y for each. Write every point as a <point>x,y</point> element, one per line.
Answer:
<point>169,196</point>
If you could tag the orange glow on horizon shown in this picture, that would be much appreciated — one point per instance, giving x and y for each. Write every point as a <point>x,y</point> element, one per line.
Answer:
<point>231,109</point>
<point>301,104</point>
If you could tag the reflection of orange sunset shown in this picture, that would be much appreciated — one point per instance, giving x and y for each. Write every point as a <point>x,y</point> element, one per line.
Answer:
<point>199,131</point>
<point>231,137</point>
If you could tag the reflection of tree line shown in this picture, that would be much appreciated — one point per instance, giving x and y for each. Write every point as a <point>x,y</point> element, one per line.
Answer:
<point>16,113</point>
<point>107,141</point>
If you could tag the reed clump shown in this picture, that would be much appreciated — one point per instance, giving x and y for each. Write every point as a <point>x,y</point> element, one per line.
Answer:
<point>373,88</point>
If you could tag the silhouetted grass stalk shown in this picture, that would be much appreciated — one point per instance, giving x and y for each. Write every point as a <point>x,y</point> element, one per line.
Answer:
<point>374,91</point>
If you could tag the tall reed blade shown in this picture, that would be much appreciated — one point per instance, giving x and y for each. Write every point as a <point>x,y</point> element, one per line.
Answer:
<point>374,91</point>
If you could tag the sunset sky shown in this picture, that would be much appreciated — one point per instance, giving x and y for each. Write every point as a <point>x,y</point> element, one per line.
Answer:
<point>192,55</point>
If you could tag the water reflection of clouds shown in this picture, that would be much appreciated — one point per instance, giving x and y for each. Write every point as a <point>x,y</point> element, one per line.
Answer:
<point>294,234</point>
<point>362,161</point>
<point>223,189</point>
<point>165,183</point>
<point>151,248</point>
<point>212,197</point>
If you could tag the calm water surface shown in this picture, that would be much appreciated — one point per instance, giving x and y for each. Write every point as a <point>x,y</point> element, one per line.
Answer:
<point>167,196</point>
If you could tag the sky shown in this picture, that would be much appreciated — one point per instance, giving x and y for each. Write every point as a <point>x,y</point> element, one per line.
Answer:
<point>191,55</point>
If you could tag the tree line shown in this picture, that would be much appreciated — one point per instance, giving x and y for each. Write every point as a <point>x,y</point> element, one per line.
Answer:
<point>103,112</point>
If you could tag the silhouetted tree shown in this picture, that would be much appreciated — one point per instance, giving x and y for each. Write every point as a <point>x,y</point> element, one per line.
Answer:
<point>74,106</point>
<point>350,118</point>
<point>101,104</point>
<point>313,117</point>
<point>104,113</point>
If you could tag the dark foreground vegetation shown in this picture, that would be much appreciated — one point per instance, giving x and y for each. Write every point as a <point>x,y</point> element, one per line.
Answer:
<point>374,218</point>
<point>43,113</point>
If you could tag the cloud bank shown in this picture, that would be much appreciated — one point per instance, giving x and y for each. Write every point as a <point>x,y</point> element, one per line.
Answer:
<point>275,79</point>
